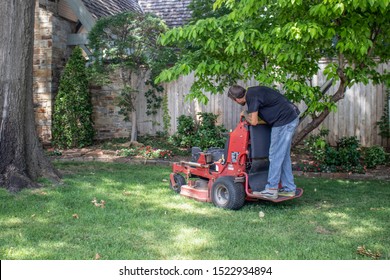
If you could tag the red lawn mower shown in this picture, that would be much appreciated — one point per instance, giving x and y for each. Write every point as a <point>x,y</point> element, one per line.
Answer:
<point>228,177</point>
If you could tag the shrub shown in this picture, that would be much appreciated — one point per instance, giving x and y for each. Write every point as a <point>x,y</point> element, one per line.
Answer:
<point>184,136</point>
<point>374,156</point>
<point>348,152</point>
<point>317,146</point>
<point>72,117</point>
<point>208,133</point>
<point>387,160</point>
<point>345,157</point>
<point>203,134</point>
<point>331,157</point>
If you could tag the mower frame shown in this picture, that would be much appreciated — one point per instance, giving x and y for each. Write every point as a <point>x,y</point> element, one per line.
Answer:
<point>224,182</point>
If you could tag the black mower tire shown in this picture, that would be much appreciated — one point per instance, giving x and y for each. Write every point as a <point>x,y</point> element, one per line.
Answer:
<point>227,194</point>
<point>179,181</point>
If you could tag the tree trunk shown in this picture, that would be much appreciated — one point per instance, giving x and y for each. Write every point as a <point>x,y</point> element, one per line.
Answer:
<point>315,122</point>
<point>133,135</point>
<point>22,159</point>
<point>134,125</point>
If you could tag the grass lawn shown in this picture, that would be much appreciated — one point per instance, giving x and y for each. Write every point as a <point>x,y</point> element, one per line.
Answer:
<point>119,211</point>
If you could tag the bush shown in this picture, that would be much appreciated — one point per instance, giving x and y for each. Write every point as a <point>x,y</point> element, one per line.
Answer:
<point>203,134</point>
<point>184,136</point>
<point>374,156</point>
<point>348,149</point>
<point>208,133</point>
<point>72,117</point>
<point>387,160</point>
<point>345,157</point>
<point>317,146</point>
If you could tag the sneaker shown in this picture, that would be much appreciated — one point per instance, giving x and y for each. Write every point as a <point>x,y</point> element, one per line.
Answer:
<point>285,193</point>
<point>271,194</point>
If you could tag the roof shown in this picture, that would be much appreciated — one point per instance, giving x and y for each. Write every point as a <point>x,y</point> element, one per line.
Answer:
<point>102,8</point>
<point>173,12</point>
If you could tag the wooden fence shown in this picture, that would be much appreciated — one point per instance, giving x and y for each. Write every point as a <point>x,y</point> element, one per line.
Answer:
<point>357,113</point>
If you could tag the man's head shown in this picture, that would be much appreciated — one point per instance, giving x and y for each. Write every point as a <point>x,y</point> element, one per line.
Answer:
<point>237,93</point>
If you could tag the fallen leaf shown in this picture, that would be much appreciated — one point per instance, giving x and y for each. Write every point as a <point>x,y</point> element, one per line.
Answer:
<point>261,214</point>
<point>361,250</point>
<point>322,230</point>
<point>97,256</point>
<point>75,216</point>
<point>127,193</point>
<point>101,204</point>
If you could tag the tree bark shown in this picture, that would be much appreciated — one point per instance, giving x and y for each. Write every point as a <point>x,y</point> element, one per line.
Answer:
<point>22,159</point>
<point>133,134</point>
<point>315,122</point>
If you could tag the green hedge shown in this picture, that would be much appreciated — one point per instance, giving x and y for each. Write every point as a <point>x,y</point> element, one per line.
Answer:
<point>72,117</point>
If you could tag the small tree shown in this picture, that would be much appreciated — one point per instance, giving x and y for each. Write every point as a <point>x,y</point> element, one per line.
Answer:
<point>282,42</point>
<point>127,44</point>
<point>72,117</point>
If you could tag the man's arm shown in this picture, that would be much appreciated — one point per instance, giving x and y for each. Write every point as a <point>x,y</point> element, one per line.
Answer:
<point>251,118</point>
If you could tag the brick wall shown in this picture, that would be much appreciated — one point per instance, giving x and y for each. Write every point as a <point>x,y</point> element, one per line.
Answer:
<point>50,55</point>
<point>108,123</point>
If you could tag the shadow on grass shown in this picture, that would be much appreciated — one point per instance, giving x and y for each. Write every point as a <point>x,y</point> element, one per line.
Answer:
<point>143,219</point>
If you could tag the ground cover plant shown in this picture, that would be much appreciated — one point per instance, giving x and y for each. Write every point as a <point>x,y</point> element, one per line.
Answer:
<point>347,156</point>
<point>148,147</point>
<point>121,211</point>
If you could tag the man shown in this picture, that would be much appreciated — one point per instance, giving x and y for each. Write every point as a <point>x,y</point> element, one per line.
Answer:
<point>283,116</point>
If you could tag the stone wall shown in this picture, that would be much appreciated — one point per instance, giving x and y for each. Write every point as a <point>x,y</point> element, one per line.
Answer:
<point>108,123</point>
<point>50,55</point>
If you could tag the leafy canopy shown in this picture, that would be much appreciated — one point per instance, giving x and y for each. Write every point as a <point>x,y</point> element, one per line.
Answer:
<point>282,42</point>
<point>127,45</point>
<point>128,42</point>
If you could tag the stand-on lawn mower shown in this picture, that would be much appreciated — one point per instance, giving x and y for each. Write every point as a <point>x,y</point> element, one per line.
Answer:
<point>228,177</point>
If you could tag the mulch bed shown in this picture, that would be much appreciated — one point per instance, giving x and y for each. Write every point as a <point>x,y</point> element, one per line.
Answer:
<point>98,154</point>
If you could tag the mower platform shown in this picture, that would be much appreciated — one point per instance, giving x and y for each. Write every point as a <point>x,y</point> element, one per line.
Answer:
<point>298,193</point>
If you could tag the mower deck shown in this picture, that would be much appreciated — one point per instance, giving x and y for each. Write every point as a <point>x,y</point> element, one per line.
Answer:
<point>199,194</point>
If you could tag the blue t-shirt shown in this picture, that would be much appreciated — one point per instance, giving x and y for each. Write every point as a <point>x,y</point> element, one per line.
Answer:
<point>271,105</point>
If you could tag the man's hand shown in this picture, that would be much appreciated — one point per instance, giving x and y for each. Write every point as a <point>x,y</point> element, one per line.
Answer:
<point>251,118</point>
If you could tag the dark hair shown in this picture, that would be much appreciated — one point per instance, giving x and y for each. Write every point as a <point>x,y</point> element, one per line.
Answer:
<point>236,92</point>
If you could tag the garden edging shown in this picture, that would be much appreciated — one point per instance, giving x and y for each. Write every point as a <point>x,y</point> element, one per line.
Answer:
<point>111,156</point>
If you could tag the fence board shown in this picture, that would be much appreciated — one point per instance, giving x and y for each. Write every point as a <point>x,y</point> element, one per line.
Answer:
<point>357,113</point>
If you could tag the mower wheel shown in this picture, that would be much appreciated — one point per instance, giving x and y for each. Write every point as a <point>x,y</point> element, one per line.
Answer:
<point>227,194</point>
<point>179,181</point>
